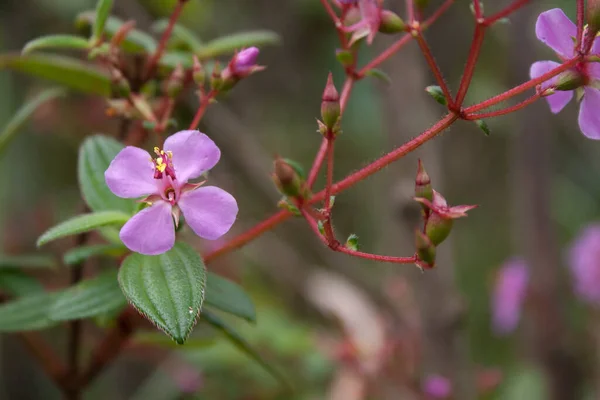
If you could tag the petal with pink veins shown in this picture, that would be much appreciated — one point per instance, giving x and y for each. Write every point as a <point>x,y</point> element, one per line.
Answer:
<point>150,231</point>
<point>193,153</point>
<point>209,211</point>
<point>131,174</point>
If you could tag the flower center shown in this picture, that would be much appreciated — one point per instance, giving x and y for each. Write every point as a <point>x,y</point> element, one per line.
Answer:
<point>163,164</point>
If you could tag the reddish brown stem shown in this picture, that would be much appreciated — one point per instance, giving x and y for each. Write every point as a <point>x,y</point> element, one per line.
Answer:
<point>504,13</point>
<point>435,69</point>
<point>580,22</point>
<point>344,184</point>
<point>162,45</point>
<point>410,11</point>
<point>508,110</point>
<point>206,99</point>
<point>465,82</point>
<point>521,88</point>
<point>329,181</point>
<point>477,9</point>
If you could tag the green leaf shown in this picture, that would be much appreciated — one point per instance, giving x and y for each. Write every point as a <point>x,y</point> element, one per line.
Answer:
<point>27,313</point>
<point>103,8</point>
<point>481,124</point>
<point>17,283</point>
<point>230,43</point>
<point>27,261</point>
<point>89,298</point>
<point>80,254</point>
<point>352,242</point>
<point>95,155</point>
<point>379,74</point>
<point>181,34</point>
<point>14,125</point>
<point>244,346</point>
<point>82,223</point>
<point>65,71</point>
<point>168,289</point>
<point>170,59</point>
<point>56,42</point>
<point>228,296</point>
<point>157,339</point>
<point>437,94</point>
<point>135,41</point>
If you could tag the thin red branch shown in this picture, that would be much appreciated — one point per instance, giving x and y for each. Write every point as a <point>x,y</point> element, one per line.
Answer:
<point>410,11</point>
<point>206,99</point>
<point>435,69</point>
<point>504,13</point>
<point>508,110</point>
<point>465,82</point>
<point>521,88</point>
<point>387,53</point>
<point>162,45</point>
<point>377,257</point>
<point>329,179</point>
<point>437,14</point>
<point>477,8</point>
<point>580,22</point>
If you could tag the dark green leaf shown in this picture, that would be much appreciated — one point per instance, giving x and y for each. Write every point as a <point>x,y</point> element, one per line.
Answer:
<point>27,261</point>
<point>379,74</point>
<point>65,71</point>
<point>27,313</point>
<point>83,223</point>
<point>481,124</point>
<point>168,289</point>
<point>228,296</point>
<point>244,346</point>
<point>80,254</point>
<point>26,110</point>
<point>352,242</point>
<point>236,41</point>
<point>17,283</point>
<point>95,155</point>
<point>68,42</point>
<point>89,298</point>
<point>103,8</point>
<point>181,34</point>
<point>135,41</point>
<point>437,94</point>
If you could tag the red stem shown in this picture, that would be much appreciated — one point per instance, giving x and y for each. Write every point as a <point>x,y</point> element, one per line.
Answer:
<point>410,11</point>
<point>437,14</point>
<point>206,99</point>
<point>477,9</point>
<point>523,87</point>
<point>377,257</point>
<point>580,22</point>
<point>387,53</point>
<point>471,63</point>
<point>434,68</point>
<point>516,107</point>
<point>504,13</point>
<point>344,184</point>
<point>164,39</point>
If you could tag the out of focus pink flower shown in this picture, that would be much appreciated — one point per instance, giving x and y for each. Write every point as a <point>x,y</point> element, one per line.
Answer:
<point>584,261</point>
<point>509,294</point>
<point>437,387</point>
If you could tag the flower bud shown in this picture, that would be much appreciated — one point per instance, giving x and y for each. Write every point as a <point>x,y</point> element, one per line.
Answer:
<point>198,72</point>
<point>119,83</point>
<point>174,84</point>
<point>286,178</point>
<point>216,78</point>
<point>425,249</point>
<point>593,15</point>
<point>391,23</point>
<point>569,80</point>
<point>438,227</point>
<point>423,184</point>
<point>330,104</point>
<point>242,64</point>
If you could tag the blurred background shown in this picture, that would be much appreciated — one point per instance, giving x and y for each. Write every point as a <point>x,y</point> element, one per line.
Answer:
<point>338,327</point>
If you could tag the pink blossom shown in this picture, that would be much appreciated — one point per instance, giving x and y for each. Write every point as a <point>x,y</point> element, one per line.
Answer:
<point>509,295</point>
<point>584,261</point>
<point>437,387</point>
<point>370,19</point>
<point>163,181</point>
<point>557,31</point>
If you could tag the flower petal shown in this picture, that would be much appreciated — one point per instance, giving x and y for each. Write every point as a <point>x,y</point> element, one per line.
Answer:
<point>150,231</point>
<point>556,30</point>
<point>193,153</point>
<point>509,295</point>
<point>131,174</point>
<point>589,117</point>
<point>209,211</point>
<point>558,100</point>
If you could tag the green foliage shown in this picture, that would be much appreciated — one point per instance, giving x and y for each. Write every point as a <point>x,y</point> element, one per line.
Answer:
<point>236,41</point>
<point>481,124</point>
<point>27,313</point>
<point>157,339</point>
<point>65,71</point>
<point>380,75</point>
<point>15,282</point>
<point>95,155</point>
<point>18,120</point>
<point>168,289</point>
<point>103,8</point>
<point>82,253</point>
<point>229,297</point>
<point>82,223</point>
<point>180,36</point>
<point>27,261</point>
<point>437,94</point>
<point>98,296</point>
<point>67,42</point>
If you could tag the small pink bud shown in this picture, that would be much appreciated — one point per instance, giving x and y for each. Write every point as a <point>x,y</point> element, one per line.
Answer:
<point>330,104</point>
<point>423,184</point>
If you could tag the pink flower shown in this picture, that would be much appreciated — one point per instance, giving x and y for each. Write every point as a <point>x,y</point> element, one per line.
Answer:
<point>208,210</point>
<point>370,19</point>
<point>557,31</point>
<point>509,295</point>
<point>584,260</point>
<point>437,387</point>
